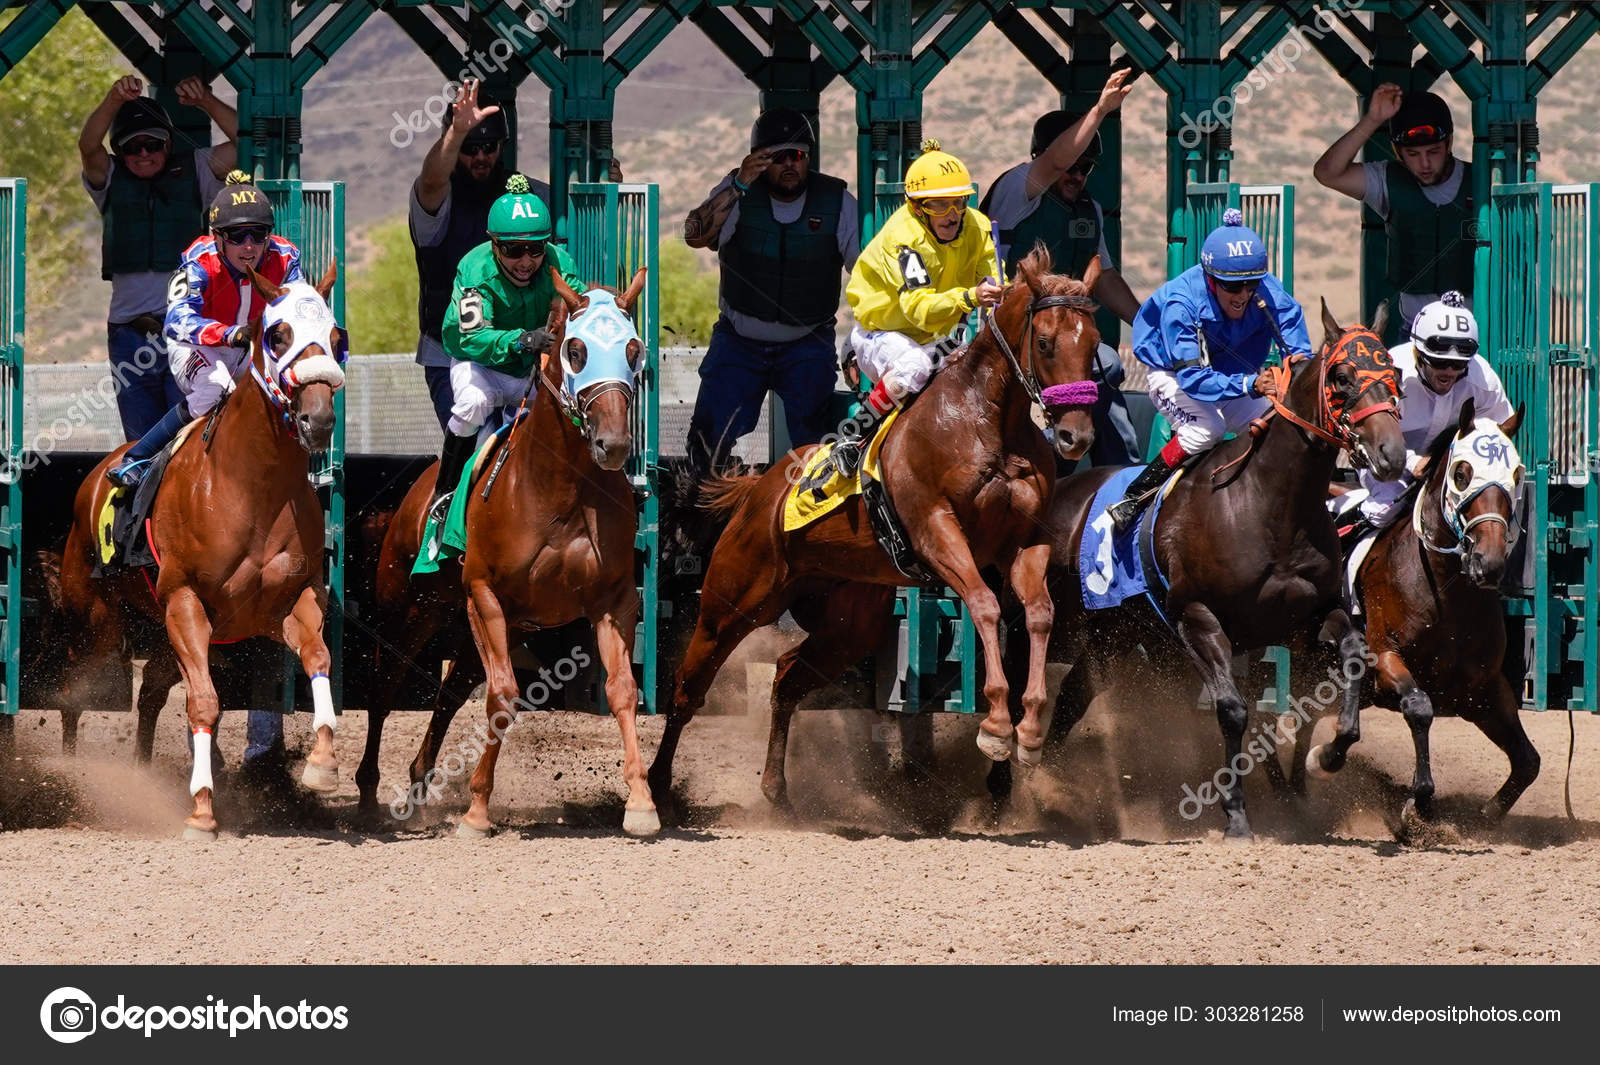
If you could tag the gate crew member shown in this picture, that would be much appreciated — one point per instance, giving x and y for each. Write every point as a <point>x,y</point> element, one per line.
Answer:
<point>784,236</point>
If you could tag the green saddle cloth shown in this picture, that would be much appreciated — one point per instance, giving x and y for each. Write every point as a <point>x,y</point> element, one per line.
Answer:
<point>437,547</point>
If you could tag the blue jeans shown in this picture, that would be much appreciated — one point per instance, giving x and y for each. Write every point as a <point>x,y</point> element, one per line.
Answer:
<point>438,378</point>
<point>145,387</point>
<point>734,380</point>
<point>263,734</point>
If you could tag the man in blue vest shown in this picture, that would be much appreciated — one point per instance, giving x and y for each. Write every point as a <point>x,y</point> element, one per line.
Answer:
<point>152,193</point>
<point>1424,197</point>
<point>461,178</point>
<point>785,237</point>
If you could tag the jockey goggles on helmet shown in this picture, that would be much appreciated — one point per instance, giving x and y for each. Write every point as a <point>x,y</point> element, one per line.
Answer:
<point>1249,284</point>
<point>1453,349</point>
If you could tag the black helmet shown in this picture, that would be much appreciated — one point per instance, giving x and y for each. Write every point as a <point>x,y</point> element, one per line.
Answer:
<point>140,117</point>
<point>783,127</point>
<point>239,204</point>
<point>1423,118</point>
<point>492,128</point>
<point>1053,124</point>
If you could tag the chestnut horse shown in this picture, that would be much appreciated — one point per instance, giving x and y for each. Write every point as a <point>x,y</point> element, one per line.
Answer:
<point>552,543</point>
<point>969,474</point>
<point>237,530</point>
<point>1431,591</point>
<point>1247,548</point>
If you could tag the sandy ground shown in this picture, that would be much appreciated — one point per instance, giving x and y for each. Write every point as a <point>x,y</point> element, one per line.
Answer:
<point>1089,860</point>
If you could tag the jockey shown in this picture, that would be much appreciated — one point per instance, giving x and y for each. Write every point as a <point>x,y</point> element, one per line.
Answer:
<point>1205,336</point>
<point>211,307</point>
<point>1440,369</point>
<point>929,267</point>
<point>495,324</point>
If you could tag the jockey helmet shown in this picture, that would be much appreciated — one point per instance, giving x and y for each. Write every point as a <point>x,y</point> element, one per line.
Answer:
<point>140,117</point>
<point>1053,124</point>
<point>239,203</point>
<point>1234,251</point>
<point>519,213</point>
<point>780,128</point>
<point>492,128</point>
<point>1446,329</point>
<point>1423,119</point>
<point>936,173</point>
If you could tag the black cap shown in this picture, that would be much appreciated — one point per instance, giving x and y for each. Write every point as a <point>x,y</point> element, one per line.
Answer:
<point>492,128</point>
<point>140,117</point>
<point>1053,124</point>
<point>782,127</point>
<point>239,203</point>
<point>1423,118</point>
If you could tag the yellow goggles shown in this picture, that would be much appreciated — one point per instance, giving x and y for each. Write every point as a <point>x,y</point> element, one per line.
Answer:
<point>941,206</point>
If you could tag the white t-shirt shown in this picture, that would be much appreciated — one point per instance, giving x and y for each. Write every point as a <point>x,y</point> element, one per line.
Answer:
<point>1377,198</point>
<point>145,291</point>
<point>848,235</point>
<point>1009,204</point>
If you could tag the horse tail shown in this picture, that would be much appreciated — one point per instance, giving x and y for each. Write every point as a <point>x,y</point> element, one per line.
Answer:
<point>723,494</point>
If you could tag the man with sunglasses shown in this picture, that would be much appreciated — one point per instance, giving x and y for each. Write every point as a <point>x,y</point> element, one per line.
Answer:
<point>1423,195</point>
<point>495,326</point>
<point>151,194</point>
<point>784,236</point>
<point>1046,200</point>
<point>461,178</point>
<point>1205,335</point>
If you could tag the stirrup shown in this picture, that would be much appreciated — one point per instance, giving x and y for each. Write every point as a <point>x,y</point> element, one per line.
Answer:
<point>1124,512</point>
<point>847,457</point>
<point>129,474</point>
<point>440,509</point>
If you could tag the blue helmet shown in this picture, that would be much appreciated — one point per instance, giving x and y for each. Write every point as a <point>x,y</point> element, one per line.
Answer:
<point>1234,251</point>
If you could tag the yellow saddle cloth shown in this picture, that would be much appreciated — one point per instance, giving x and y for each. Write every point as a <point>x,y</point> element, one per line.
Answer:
<point>114,496</point>
<point>821,490</point>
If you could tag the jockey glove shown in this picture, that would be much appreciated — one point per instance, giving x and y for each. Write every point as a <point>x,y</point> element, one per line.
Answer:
<point>535,341</point>
<point>239,337</point>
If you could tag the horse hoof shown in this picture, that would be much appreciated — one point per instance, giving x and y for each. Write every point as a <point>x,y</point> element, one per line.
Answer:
<point>199,835</point>
<point>1234,837</point>
<point>1314,764</point>
<point>320,778</point>
<point>1028,757</point>
<point>997,748</point>
<point>641,822</point>
<point>466,831</point>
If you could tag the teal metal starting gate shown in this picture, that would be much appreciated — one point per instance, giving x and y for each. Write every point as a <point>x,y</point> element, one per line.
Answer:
<point>13,261</point>
<point>1542,318</point>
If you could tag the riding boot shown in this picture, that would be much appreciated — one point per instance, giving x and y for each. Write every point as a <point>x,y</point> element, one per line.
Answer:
<point>452,460</point>
<point>136,462</point>
<point>847,451</point>
<point>1126,511</point>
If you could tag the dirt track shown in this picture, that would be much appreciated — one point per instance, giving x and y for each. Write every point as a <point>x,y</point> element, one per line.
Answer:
<point>1090,862</point>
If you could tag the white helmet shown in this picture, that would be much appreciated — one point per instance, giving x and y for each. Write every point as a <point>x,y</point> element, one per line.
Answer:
<point>1446,329</point>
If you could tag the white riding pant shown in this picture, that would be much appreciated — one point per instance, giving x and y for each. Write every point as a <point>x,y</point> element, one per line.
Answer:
<point>1197,424</point>
<point>903,365</point>
<point>205,372</point>
<point>1378,504</point>
<point>479,391</point>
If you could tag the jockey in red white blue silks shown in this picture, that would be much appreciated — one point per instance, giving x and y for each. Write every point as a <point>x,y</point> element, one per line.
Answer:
<point>1205,336</point>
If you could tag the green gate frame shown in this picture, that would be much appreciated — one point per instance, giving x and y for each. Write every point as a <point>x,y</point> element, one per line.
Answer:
<point>13,274</point>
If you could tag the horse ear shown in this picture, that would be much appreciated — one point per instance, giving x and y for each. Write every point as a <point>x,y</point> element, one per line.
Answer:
<point>1091,273</point>
<point>1380,318</point>
<point>564,290</point>
<point>1469,415</point>
<point>325,286</point>
<point>558,315</point>
<point>1330,325</point>
<point>267,290</point>
<point>626,301</point>
<point>1513,423</point>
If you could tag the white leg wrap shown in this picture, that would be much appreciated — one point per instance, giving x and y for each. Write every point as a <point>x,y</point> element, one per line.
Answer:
<point>322,703</point>
<point>200,776</point>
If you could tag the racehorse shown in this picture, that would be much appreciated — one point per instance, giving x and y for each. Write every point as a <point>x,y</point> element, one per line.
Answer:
<point>1249,554</point>
<point>237,532</point>
<point>553,542</point>
<point>1430,629</point>
<point>969,474</point>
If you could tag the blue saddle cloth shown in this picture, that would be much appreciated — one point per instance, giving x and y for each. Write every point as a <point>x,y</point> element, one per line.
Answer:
<point>1109,566</point>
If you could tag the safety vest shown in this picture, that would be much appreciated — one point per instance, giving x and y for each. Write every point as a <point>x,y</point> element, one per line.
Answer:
<point>147,223</point>
<point>1430,247</point>
<point>1070,230</point>
<point>468,227</point>
<point>786,272</point>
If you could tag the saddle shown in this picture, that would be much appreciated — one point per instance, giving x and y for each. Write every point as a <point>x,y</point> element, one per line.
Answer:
<point>122,518</point>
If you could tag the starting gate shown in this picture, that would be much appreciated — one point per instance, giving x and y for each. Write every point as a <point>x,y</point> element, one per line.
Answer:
<point>13,259</point>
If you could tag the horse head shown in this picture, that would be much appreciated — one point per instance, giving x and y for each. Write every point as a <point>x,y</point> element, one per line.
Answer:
<point>1359,388</point>
<point>1052,316</point>
<point>1479,486</point>
<point>301,350</point>
<point>600,354</point>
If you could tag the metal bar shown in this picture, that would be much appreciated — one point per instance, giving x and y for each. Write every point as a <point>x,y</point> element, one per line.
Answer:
<point>945,47</point>
<point>28,29</point>
<point>329,39</point>
<point>1240,18</point>
<point>1163,18</point>
<point>1468,18</point>
<point>1047,60</point>
<point>1546,16</point>
<point>920,26</point>
<point>852,17</point>
<point>1440,40</point>
<point>642,41</point>
<point>13,308</point>
<point>720,31</point>
<point>620,16</point>
<point>222,49</point>
<point>1262,38</point>
<point>841,53</point>
<point>1568,43</point>
<point>134,46</point>
<point>1151,57</point>
<point>310,11</point>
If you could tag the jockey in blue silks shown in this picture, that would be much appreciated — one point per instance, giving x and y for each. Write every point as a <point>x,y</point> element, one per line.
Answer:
<point>1205,336</point>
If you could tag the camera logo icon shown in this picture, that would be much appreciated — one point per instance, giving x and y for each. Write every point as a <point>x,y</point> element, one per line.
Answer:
<point>68,1015</point>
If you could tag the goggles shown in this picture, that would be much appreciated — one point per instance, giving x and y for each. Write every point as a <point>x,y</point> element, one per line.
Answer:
<point>246,234</point>
<point>1463,347</point>
<point>1419,136</point>
<point>512,250</point>
<point>942,206</point>
<point>1249,284</point>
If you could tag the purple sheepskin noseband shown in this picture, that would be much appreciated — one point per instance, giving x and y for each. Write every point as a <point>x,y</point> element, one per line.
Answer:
<point>1076,394</point>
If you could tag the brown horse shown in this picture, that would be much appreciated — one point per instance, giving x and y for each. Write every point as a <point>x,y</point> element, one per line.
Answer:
<point>552,543</point>
<point>1431,591</point>
<point>237,530</point>
<point>1247,548</point>
<point>969,474</point>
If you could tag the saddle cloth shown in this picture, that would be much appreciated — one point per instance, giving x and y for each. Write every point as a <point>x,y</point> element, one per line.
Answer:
<point>1113,566</point>
<point>120,528</point>
<point>821,490</point>
<point>453,540</point>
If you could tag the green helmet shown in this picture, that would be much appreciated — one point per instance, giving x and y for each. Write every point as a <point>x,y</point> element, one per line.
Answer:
<point>519,214</point>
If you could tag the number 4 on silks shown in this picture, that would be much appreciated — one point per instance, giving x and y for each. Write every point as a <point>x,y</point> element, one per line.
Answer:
<point>913,269</point>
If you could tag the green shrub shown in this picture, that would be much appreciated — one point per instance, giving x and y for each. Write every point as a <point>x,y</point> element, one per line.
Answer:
<point>688,296</point>
<point>382,303</point>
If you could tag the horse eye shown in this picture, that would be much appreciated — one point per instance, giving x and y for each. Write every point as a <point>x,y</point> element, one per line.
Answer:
<point>634,351</point>
<point>280,339</point>
<point>1462,474</point>
<point>577,355</point>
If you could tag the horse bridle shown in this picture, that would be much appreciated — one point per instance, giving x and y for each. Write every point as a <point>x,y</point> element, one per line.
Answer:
<point>1343,431</point>
<point>576,408</point>
<point>1072,394</point>
<point>1463,530</point>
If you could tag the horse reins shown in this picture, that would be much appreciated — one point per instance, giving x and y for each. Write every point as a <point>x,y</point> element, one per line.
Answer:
<point>1072,394</point>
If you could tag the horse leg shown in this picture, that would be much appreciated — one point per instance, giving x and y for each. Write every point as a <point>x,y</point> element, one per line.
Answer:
<point>488,622</point>
<point>465,674</point>
<point>996,735</point>
<point>1028,580</point>
<point>160,674</point>
<point>69,731</point>
<point>417,628</point>
<point>302,632</point>
<point>1324,761</point>
<point>1417,709</point>
<point>817,659</point>
<point>1213,656</point>
<point>614,638</point>
<point>189,629</point>
<point>1501,721</point>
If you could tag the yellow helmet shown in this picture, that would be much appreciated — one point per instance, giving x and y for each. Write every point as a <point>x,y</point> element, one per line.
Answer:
<point>936,173</point>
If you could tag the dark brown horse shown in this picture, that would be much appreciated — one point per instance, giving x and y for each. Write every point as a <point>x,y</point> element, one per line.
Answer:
<point>237,530</point>
<point>969,474</point>
<point>1430,588</point>
<point>552,543</point>
<point>1248,550</point>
